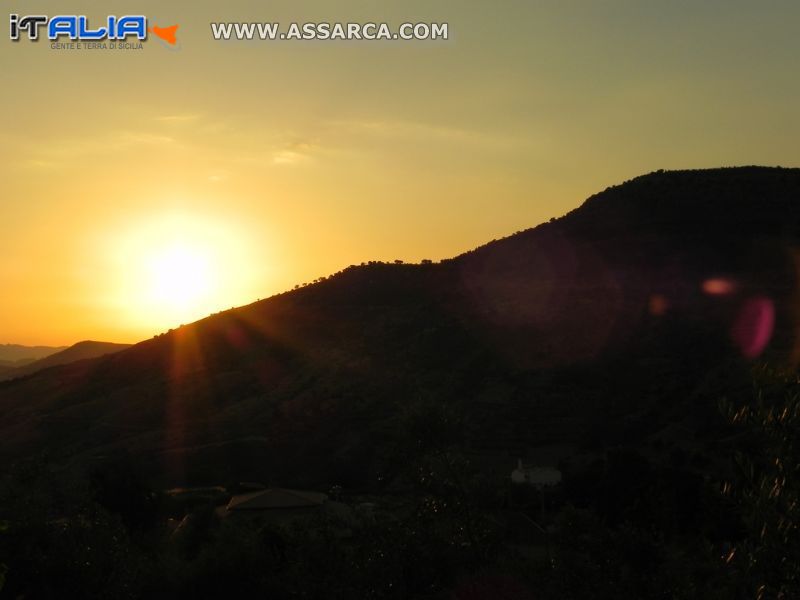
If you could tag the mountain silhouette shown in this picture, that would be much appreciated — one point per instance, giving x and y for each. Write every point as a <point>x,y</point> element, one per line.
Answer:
<point>79,351</point>
<point>612,322</point>
<point>15,355</point>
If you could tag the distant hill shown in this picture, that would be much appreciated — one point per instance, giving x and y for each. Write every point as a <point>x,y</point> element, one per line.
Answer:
<point>14,354</point>
<point>625,319</point>
<point>79,351</point>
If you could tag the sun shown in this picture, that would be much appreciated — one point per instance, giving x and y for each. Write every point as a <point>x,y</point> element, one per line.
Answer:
<point>180,276</point>
<point>173,269</point>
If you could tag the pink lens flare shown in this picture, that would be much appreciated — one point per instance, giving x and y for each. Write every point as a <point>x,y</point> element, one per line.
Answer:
<point>754,325</point>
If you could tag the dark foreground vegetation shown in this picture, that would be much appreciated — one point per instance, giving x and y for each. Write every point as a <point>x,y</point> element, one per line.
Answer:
<point>627,526</point>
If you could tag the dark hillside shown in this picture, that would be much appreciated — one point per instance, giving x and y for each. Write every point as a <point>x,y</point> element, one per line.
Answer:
<point>607,324</point>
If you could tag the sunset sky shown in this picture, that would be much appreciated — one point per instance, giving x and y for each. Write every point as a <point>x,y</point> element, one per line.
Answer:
<point>253,166</point>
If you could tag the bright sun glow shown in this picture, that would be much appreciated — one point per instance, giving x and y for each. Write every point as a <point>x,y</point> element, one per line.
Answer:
<point>181,276</point>
<point>177,268</point>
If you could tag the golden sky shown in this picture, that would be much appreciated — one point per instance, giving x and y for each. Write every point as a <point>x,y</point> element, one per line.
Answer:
<point>266,164</point>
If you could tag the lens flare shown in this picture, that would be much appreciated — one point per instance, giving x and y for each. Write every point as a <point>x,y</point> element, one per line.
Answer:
<point>719,286</point>
<point>753,327</point>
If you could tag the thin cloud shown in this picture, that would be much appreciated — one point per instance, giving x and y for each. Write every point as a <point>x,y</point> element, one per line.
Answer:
<point>294,153</point>
<point>142,137</point>
<point>184,118</point>
<point>428,131</point>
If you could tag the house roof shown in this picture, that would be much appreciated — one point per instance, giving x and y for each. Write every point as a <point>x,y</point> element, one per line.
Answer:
<point>276,498</point>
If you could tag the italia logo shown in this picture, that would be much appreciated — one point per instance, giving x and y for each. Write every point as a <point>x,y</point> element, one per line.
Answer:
<point>78,28</point>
